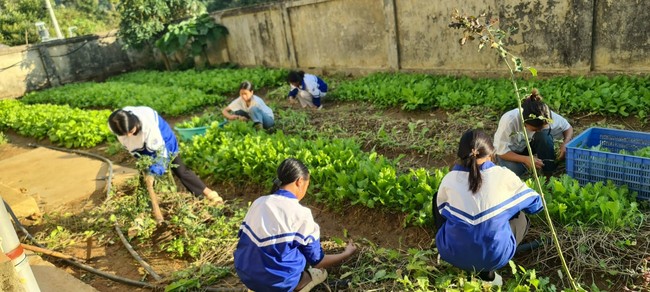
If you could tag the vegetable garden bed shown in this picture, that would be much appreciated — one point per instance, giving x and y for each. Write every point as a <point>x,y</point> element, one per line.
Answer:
<point>349,168</point>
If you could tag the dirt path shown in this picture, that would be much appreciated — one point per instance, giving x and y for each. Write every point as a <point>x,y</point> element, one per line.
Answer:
<point>60,182</point>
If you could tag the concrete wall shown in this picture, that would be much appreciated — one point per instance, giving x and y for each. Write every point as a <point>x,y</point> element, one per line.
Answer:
<point>552,35</point>
<point>360,36</point>
<point>257,37</point>
<point>570,36</point>
<point>27,68</point>
<point>340,34</point>
<point>21,70</point>
<point>622,36</point>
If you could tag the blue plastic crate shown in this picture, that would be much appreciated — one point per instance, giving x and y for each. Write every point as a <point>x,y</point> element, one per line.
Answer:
<point>586,165</point>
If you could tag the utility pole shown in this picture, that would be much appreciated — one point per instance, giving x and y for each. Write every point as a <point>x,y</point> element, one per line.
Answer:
<point>54,22</point>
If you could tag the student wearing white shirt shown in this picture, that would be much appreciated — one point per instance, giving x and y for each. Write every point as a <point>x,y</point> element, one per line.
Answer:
<point>145,133</point>
<point>279,238</point>
<point>249,106</point>
<point>308,89</point>
<point>543,126</point>
<point>479,210</point>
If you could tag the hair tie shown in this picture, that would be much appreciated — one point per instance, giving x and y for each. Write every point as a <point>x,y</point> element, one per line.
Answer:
<point>474,153</point>
<point>277,182</point>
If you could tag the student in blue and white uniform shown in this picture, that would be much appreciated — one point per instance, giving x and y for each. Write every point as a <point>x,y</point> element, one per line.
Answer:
<point>279,238</point>
<point>144,133</point>
<point>479,210</point>
<point>511,145</point>
<point>307,88</point>
<point>249,106</point>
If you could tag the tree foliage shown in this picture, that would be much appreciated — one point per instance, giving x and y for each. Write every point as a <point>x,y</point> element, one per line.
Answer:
<point>143,21</point>
<point>193,34</point>
<point>17,18</point>
<point>213,5</point>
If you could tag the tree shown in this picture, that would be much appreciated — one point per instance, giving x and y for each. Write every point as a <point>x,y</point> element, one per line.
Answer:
<point>144,21</point>
<point>17,21</point>
<point>17,18</point>
<point>192,35</point>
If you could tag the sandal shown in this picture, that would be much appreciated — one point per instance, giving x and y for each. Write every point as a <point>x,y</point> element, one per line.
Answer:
<point>215,198</point>
<point>317,276</point>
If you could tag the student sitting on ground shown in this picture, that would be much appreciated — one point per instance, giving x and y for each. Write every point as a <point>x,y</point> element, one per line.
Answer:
<point>249,106</point>
<point>478,210</point>
<point>279,240</point>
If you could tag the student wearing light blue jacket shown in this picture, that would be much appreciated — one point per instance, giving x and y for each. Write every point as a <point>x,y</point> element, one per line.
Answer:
<point>479,210</point>
<point>308,89</point>
<point>249,106</point>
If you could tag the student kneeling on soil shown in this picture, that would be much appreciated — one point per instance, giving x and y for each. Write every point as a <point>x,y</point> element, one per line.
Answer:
<point>307,88</point>
<point>249,106</point>
<point>279,238</point>
<point>478,210</point>
<point>143,132</point>
<point>510,142</point>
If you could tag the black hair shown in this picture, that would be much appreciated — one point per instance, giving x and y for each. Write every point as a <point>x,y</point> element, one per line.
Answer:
<point>474,145</point>
<point>122,122</point>
<point>290,170</point>
<point>247,85</point>
<point>295,76</point>
<point>533,105</point>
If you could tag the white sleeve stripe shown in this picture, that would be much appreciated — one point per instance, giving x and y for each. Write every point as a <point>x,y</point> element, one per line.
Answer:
<point>275,239</point>
<point>486,216</point>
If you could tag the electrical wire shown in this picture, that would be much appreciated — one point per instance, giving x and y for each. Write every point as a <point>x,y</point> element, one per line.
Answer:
<point>71,52</point>
<point>10,66</point>
<point>79,47</point>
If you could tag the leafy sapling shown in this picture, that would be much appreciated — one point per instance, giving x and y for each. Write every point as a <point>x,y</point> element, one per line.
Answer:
<point>488,33</point>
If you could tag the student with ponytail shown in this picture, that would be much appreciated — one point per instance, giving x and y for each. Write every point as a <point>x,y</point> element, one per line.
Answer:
<point>543,127</point>
<point>144,133</point>
<point>478,210</point>
<point>279,240</point>
<point>308,89</point>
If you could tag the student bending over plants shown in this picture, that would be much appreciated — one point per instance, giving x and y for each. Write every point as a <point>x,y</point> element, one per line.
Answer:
<point>307,88</point>
<point>279,239</point>
<point>478,210</point>
<point>511,145</point>
<point>144,133</point>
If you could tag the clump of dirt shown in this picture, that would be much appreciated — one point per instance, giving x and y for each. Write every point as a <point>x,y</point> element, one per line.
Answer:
<point>9,280</point>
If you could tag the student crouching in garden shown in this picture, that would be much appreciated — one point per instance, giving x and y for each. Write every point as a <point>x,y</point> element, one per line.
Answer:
<point>279,240</point>
<point>543,126</point>
<point>479,210</point>
<point>308,89</point>
<point>249,106</point>
<point>145,133</point>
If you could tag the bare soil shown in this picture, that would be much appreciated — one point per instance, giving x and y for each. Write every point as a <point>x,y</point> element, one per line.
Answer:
<point>384,229</point>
